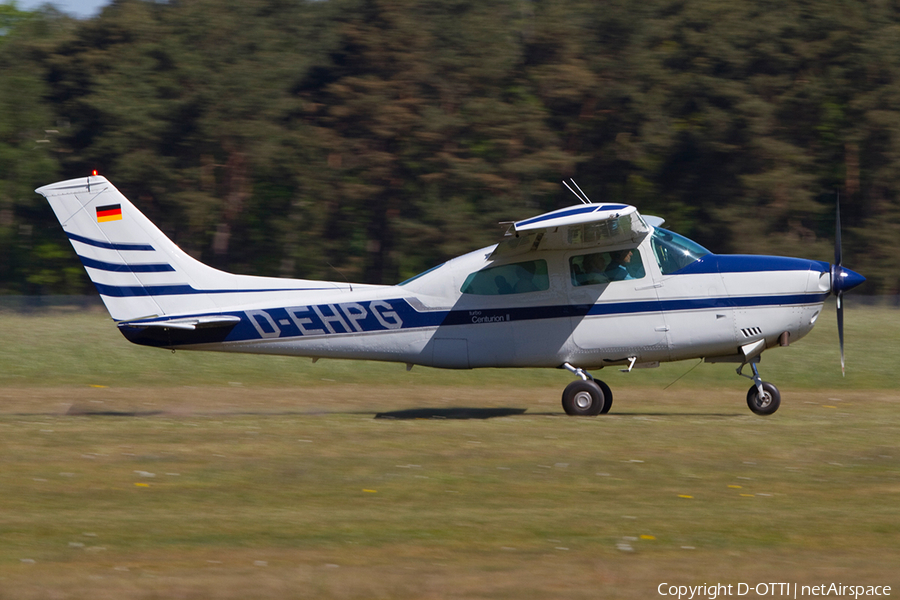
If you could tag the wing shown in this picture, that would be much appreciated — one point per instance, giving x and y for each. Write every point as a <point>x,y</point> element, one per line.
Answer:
<point>576,227</point>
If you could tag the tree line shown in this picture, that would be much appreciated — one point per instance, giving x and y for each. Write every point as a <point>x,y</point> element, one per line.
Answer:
<point>373,139</point>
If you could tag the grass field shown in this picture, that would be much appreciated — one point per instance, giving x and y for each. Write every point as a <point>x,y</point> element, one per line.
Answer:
<point>129,472</point>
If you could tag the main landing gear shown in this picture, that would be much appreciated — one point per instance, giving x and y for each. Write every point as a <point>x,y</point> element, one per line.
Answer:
<point>763,398</point>
<point>589,397</point>
<point>586,397</point>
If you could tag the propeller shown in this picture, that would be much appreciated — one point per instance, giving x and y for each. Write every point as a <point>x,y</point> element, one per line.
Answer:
<point>841,279</point>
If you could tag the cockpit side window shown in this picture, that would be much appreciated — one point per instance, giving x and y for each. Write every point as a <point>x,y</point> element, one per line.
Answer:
<point>517,278</point>
<point>602,267</point>
<point>674,252</point>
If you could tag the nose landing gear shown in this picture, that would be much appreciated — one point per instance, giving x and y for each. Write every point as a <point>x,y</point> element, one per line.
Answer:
<point>586,397</point>
<point>763,398</point>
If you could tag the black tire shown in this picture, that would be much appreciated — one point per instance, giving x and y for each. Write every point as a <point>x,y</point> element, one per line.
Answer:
<point>768,404</point>
<point>583,399</point>
<point>607,396</point>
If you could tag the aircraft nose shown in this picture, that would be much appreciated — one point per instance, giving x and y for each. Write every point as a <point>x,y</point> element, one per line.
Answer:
<point>845,279</point>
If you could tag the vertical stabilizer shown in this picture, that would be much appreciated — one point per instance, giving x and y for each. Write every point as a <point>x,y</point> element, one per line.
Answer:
<point>137,270</point>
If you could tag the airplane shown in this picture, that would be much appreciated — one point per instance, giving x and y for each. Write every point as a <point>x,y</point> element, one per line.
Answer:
<point>580,288</point>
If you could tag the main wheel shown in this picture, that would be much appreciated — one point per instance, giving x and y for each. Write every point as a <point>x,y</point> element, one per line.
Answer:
<point>766,404</point>
<point>583,399</point>
<point>607,396</point>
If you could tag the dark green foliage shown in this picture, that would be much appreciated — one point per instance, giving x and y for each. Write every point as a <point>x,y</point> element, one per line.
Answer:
<point>371,140</point>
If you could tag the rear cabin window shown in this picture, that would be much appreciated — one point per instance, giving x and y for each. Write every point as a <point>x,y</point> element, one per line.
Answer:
<point>603,267</point>
<point>517,278</point>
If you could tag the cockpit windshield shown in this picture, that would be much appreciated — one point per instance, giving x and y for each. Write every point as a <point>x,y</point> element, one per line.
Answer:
<point>674,252</point>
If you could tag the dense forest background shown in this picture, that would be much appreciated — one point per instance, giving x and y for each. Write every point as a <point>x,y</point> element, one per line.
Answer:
<point>372,139</point>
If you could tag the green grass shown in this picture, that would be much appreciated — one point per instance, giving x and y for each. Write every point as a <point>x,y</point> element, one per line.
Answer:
<point>532,506</point>
<point>227,477</point>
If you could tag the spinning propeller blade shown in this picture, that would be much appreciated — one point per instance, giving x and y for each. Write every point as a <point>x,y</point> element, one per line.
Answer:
<point>840,321</point>
<point>841,279</point>
<point>838,258</point>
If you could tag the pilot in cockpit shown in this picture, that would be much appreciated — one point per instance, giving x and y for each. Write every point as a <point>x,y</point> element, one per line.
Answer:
<point>619,267</point>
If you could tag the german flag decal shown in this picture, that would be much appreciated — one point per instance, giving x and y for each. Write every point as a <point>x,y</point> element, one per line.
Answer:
<point>112,212</point>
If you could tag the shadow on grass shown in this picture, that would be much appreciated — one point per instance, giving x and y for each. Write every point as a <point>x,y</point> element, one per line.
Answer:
<point>81,411</point>
<point>681,414</point>
<point>457,413</point>
<point>451,413</point>
<point>613,415</point>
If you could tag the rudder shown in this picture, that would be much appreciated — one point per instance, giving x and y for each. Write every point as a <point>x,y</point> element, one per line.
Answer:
<point>138,271</point>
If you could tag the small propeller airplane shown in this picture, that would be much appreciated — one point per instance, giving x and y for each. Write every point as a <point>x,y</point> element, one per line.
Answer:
<point>580,288</point>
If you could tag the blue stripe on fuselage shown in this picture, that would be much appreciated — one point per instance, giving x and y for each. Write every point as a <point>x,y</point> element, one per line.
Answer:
<point>397,314</point>
<point>750,263</point>
<point>127,291</point>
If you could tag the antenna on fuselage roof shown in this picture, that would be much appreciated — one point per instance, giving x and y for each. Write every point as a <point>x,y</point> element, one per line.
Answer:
<point>582,196</point>
<point>341,273</point>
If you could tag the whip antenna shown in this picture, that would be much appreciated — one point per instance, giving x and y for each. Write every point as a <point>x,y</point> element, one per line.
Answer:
<point>341,273</point>
<point>582,196</point>
<point>580,190</point>
<point>685,373</point>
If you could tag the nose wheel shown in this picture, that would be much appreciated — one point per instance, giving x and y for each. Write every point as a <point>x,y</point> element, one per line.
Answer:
<point>764,403</point>
<point>586,397</point>
<point>763,398</point>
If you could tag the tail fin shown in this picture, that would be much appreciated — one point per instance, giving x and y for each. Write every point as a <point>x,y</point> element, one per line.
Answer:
<point>139,272</point>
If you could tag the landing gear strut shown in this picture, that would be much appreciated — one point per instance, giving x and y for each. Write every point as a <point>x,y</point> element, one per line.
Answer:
<point>763,398</point>
<point>586,397</point>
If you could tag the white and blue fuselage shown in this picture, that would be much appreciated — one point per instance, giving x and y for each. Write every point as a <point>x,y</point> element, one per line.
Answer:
<point>583,287</point>
<point>709,308</point>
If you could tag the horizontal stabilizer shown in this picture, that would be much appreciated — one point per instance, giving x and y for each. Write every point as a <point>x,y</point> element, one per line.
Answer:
<point>190,323</point>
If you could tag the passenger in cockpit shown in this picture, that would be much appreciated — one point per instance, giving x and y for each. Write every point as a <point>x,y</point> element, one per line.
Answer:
<point>526,279</point>
<point>593,270</point>
<point>503,286</point>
